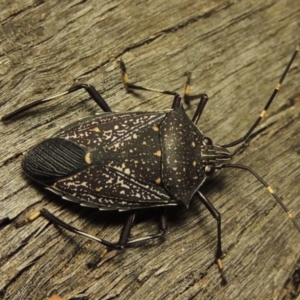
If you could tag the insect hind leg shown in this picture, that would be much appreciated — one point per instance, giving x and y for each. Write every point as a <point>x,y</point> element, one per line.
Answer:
<point>55,220</point>
<point>94,94</point>
<point>124,237</point>
<point>49,216</point>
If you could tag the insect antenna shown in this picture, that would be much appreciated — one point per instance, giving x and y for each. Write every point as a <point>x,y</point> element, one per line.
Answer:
<point>269,189</point>
<point>263,112</point>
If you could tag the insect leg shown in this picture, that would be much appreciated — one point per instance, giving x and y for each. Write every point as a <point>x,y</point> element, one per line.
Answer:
<point>187,98</point>
<point>177,99</point>
<point>52,218</point>
<point>126,230</point>
<point>162,231</point>
<point>130,86</point>
<point>55,220</point>
<point>49,216</point>
<point>123,241</point>
<point>200,107</point>
<point>216,215</point>
<point>88,88</point>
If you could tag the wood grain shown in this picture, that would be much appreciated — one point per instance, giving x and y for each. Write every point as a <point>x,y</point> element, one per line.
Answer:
<point>236,51</point>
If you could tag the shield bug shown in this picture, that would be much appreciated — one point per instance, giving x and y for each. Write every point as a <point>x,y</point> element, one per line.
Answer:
<point>136,160</point>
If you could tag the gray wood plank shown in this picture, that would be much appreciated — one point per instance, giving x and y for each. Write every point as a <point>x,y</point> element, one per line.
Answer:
<point>236,51</point>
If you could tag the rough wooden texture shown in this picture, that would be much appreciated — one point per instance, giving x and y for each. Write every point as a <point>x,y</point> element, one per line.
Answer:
<point>236,50</point>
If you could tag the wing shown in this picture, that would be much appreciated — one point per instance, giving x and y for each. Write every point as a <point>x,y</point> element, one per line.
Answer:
<point>108,129</point>
<point>112,161</point>
<point>127,142</point>
<point>107,188</point>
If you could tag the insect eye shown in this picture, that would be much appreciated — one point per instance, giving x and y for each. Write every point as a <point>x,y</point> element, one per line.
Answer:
<point>209,171</point>
<point>207,141</point>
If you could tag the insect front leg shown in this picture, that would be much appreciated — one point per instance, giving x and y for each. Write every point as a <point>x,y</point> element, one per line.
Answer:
<point>217,216</point>
<point>130,86</point>
<point>187,98</point>
<point>177,99</point>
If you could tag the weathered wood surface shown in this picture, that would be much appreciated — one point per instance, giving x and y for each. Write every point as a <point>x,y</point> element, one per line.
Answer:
<point>236,50</point>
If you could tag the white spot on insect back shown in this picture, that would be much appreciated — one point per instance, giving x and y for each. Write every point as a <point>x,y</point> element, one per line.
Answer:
<point>135,136</point>
<point>109,181</point>
<point>116,145</point>
<point>107,134</point>
<point>118,168</point>
<point>122,183</point>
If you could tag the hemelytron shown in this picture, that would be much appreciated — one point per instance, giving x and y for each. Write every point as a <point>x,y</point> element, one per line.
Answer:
<point>135,160</point>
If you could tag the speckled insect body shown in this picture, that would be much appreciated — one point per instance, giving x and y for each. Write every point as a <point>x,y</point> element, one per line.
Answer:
<point>123,160</point>
<point>130,161</point>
